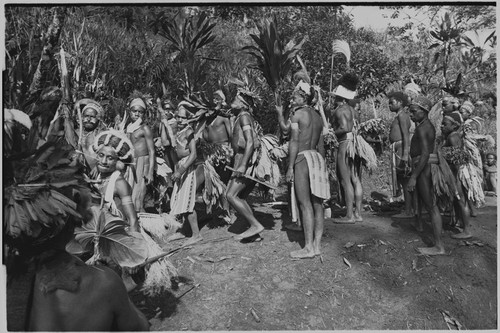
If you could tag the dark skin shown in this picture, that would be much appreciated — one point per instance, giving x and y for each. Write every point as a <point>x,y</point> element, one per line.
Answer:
<point>186,146</point>
<point>99,303</point>
<point>343,122</point>
<point>106,164</point>
<point>400,131</point>
<point>422,144</point>
<point>453,139</point>
<point>240,187</point>
<point>306,135</point>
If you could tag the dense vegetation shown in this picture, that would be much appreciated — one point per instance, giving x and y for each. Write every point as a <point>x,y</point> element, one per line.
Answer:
<point>113,50</point>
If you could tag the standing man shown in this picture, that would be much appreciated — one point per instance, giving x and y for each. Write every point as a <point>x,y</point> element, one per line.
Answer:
<point>246,147</point>
<point>307,169</point>
<point>217,136</point>
<point>187,177</point>
<point>399,138</point>
<point>217,133</point>
<point>168,131</point>
<point>92,114</point>
<point>421,147</point>
<point>348,164</point>
<point>142,138</point>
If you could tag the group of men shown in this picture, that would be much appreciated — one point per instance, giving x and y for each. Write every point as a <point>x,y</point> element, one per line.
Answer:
<point>199,146</point>
<point>437,173</point>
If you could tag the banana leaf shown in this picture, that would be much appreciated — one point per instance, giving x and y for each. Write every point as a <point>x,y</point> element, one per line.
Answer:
<point>106,236</point>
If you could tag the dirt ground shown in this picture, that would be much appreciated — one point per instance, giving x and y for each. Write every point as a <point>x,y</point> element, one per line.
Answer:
<point>371,277</point>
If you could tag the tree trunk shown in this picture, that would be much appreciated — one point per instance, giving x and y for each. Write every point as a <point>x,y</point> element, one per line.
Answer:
<point>46,63</point>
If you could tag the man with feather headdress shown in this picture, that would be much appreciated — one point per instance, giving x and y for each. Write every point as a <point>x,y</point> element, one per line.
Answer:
<point>247,149</point>
<point>145,156</point>
<point>216,143</point>
<point>353,150</point>
<point>456,156</point>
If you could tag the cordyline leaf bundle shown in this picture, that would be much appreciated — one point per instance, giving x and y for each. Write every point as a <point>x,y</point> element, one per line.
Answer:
<point>273,58</point>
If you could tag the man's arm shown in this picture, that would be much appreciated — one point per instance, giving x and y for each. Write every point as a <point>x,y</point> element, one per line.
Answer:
<point>454,140</point>
<point>191,158</point>
<point>284,125</point>
<point>165,140</point>
<point>124,192</point>
<point>404,125</point>
<point>246,126</point>
<point>228,126</point>
<point>424,154</point>
<point>321,145</point>
<point>148,136</point>
<point>293,147</point>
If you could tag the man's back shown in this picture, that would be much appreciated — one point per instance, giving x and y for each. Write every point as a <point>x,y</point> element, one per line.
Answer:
<point>310,126</point>
<point>99,303</point>
<point>343,119</point>
<point>425,134</point>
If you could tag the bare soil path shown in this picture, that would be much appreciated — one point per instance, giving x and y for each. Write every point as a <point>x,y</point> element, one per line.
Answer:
<point>371,277</point>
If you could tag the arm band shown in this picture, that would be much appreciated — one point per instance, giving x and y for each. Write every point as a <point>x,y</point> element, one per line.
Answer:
<point>247,128</point>
<point>295,125</point>
<point>126,200</point>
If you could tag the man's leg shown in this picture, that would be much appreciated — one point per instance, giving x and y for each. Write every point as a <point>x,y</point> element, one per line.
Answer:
<point>461,209</point>
<point>425,191</point>
<point>192,217</point>
<point>344,171</point>
<point>235,187</point>
<point>407,197</point>
<point>303,193</point>
<point>319,222</point>
<point>358,191</point>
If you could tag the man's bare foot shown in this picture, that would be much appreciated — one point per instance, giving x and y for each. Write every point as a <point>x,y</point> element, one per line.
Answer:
<point>293,227</point>
<point>249,233</point>
<point>302,254</point>
<point>317,252</point>
<point>253,239</point>
<point>431,251</point>
<point>418,226</point>
<point>404,215</point>
<point>344,220</point>
<point>461,235</point>
<point>358,218</point>
<point>175,237</point>
<point>193,240</point>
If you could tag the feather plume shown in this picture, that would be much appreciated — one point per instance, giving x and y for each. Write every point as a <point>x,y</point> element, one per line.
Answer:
<point>302,74</point>
<point>341,46</point>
